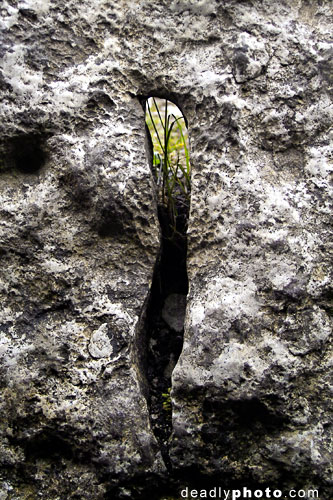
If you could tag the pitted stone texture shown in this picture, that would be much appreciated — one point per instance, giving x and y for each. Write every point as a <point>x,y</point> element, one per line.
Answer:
<point>79,239</point>
<point>258,329</point>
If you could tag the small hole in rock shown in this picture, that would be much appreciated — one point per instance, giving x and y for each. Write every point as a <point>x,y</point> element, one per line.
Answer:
<point>110,228</point>
<point>26,153</point>
<point>46,446</point>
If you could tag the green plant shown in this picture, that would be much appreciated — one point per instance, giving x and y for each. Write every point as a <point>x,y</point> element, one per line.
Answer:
<point>167,400</point>
<point>171,158</point>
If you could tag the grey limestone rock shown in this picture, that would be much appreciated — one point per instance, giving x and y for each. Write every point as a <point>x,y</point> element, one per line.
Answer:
<point>173,311</point>
<point>79,238</point>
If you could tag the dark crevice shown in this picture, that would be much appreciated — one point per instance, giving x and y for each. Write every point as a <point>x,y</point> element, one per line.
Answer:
<point>164,326</point>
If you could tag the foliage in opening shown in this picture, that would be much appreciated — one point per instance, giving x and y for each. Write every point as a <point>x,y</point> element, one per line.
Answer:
<point>167,401</point>
<point>171,159</point>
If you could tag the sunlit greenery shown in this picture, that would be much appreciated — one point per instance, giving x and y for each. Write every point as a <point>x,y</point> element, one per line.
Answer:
<point>171,159</point>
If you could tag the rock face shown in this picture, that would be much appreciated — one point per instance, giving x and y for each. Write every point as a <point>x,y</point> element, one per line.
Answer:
<point>80,237</point>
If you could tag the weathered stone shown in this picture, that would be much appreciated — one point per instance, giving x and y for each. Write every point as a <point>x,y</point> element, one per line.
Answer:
<point>173,311</point>
<point>79,238</point>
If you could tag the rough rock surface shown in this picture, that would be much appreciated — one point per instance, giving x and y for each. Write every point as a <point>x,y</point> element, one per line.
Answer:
<point>80,237</point>
<point>173,311</point>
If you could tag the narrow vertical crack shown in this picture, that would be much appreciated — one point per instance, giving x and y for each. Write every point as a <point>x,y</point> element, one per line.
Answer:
<point>164,323</point>
<point>164,327</point>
